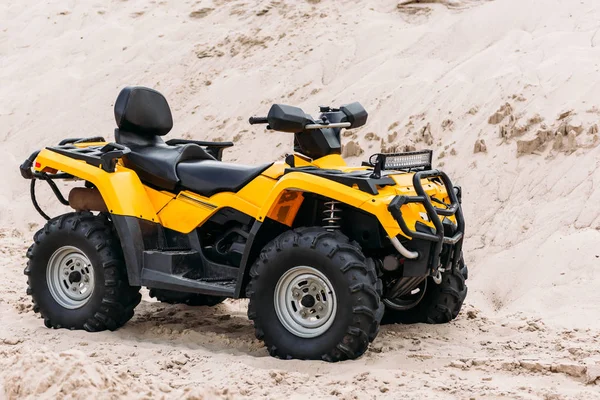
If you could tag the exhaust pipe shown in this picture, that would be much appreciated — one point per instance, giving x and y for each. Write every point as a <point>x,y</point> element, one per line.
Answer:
<point>403,250</point>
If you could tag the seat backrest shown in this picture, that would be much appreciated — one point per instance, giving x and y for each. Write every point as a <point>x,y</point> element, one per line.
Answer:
<point>143,116</point>
<point>143,111</point>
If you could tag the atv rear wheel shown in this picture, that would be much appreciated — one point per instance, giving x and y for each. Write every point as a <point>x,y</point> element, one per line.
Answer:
<point>76,274</point>
<point>441,303</point>
<point>314,295</point>
<point>191,299</point>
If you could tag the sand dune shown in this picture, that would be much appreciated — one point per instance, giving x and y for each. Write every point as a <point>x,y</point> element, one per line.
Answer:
<point>504,91</point>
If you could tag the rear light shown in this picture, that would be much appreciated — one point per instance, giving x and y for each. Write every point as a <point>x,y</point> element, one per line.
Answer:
<point>37,164</point>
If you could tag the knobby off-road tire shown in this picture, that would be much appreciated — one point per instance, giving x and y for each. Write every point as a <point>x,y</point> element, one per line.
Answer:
<point>440,304</point>
<point>76,274</point>
<point>348,294</point>
<point>191,299</point>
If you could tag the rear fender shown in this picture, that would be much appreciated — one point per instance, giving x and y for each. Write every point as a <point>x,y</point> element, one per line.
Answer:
<point>131,205</point>
<point>122,190</point>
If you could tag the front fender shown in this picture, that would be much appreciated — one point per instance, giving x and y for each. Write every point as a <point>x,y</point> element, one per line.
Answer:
<point>300,182</point>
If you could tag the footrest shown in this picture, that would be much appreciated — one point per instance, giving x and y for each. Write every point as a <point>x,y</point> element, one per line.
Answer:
<point>161,280</point>
<point>172,261</point>
<point>171,269</point>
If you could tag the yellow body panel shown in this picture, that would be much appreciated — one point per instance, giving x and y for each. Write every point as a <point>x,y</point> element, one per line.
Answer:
<point>255,193</point>
<point>159,199</point>
<point>275,170</point>
<point>190,209</point>
<point>270,195</point>
<point>122,190</point>
<point>186,212</point>
<point>332,161</point>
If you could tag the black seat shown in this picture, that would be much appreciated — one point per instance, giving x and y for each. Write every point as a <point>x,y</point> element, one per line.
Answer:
<point>143,116</point>
<point>154,161</point>
<point>210,177</point>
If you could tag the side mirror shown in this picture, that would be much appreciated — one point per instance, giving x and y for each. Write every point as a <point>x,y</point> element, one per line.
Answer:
<point>355,114</point>
<point>287,118</point>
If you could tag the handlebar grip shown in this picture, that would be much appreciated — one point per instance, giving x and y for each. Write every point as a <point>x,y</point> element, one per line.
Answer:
<point>258,120</point>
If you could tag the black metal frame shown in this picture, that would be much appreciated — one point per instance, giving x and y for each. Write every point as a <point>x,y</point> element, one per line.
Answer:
<point>434,214</point>
<point>49,179</point>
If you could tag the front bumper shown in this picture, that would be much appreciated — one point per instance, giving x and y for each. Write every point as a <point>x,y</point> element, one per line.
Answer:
<point>437,216</point>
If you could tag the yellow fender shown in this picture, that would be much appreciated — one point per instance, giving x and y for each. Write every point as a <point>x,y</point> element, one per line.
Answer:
<point>301,182</point>
<point>122,190</point>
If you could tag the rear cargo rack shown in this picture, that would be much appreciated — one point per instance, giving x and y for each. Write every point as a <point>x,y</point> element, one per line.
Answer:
<point>435,214</point>
<point>104,157</point>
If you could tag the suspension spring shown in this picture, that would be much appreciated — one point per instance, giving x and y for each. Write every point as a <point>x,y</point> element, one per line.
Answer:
<point>332,215</point>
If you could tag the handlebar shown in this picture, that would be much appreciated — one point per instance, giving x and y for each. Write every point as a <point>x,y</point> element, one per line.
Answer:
<point>258,120</point>
<point>263,120</point>
<point>333,125</point>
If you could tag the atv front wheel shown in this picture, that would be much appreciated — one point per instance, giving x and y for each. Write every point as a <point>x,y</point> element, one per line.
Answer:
<point>191,299</point>
<point>314,295</point>
<point>441,303</point>
<point>76,274</point>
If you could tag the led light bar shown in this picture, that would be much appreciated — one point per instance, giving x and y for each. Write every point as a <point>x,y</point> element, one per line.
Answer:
<point>409,160</point>
<point>400,161</point>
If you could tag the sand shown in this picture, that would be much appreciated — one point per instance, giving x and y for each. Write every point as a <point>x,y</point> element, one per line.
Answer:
<point>504,91</point>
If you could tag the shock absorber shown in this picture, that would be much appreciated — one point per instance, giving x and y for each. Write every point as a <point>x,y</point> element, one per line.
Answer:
<point>332,218</point>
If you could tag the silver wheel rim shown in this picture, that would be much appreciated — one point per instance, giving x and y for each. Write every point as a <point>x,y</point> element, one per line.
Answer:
<point>70,277</point>
<point>305,302</point>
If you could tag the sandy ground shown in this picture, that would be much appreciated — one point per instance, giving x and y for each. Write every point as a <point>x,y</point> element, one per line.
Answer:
<point>504,91</point>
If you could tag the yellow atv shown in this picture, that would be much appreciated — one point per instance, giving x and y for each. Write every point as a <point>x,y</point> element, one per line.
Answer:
<point>322,250</point>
